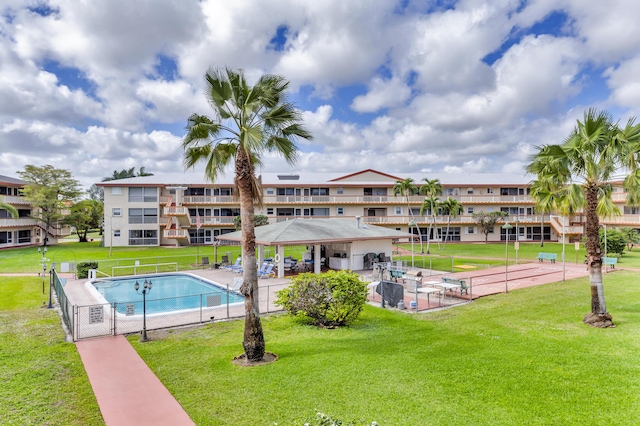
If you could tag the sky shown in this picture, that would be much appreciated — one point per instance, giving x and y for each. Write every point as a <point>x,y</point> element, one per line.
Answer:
<point>439,87</point>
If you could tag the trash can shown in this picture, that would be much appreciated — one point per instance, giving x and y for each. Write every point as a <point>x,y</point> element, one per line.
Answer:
<point>413,304</point>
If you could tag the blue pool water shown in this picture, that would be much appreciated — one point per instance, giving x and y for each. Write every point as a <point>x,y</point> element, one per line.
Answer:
<point>170,292</point>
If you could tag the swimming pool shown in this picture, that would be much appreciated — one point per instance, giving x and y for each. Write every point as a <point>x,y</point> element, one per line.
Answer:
<point>170,292</point>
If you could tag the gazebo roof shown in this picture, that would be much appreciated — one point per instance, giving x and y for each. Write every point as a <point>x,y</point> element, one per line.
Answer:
<point>317,231</point>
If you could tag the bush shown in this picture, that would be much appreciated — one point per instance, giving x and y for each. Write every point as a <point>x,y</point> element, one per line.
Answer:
<point>330,299</point>
<point>83,268</point>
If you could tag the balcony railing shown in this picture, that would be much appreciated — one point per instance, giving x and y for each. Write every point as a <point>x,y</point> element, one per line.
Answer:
<point>175,211</point>
<point>4,223</point>
<point>176,233</point>
<point>12,199</point>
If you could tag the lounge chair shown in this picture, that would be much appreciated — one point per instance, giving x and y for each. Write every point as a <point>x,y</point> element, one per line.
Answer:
<point>236,283</point>
<point>262,268</point>
<point>267,272</point>
<point>235,265</point>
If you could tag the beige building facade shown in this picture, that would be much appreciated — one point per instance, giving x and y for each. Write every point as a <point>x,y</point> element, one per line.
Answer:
<point>184,209</point>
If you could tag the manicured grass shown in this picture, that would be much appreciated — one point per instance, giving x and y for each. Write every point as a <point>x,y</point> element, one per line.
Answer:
<point>520,358</point>
<point>29,260</point>
<point>494,254</point>
<point>43,379</point>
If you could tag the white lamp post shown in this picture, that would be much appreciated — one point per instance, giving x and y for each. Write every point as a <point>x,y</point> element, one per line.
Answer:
<point>507,226</point>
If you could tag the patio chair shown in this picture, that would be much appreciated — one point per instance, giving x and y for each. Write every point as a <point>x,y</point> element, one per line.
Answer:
<point>268,272</point>
<point>205,262</point>
<point>236,283</point>
<point>225,260</point>
<point>235,265</point>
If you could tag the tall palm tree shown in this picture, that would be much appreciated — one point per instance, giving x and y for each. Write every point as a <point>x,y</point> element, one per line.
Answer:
<point>581,169</point>
<point>431,188</point>
<point>407,188</point>
<point>546,202</point>
<point>248,122</point>
<point>9,208</point>
<point>430,204</point>
<point>452,208</point>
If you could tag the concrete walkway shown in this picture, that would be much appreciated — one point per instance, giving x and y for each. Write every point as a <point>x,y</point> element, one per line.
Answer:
<point>127,391</point>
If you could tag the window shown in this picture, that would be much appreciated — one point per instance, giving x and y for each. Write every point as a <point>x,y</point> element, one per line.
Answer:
<point>469,210</point>
<point>340,191</point>
<point>270,191</point>
<point>339,210</point>
<point>143,215</point>
<point>146,237</point>
<point>270,210</point>
<point>142,194</point>
<point>398,211</point>
<point>470,191</point>
<point>286,191</point>
<point>471,229</point>
<point>116,232</point>
<point>5,237</point>
<point>24,236</point>
<point>116,211</point>
<point>116,190</point>
<point>319,191</point>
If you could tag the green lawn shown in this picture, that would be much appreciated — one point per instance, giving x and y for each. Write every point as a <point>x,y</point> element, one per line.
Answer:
<point>43,379</point>
<point>29,260</point>
<point>521,358</point>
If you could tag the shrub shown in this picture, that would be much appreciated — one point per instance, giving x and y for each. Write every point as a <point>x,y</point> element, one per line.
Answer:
<point>330,299</point>
<point>83,268</point>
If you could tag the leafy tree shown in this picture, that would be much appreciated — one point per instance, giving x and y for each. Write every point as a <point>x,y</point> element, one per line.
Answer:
<point>615,242</point>
<point>49,190</point>
<point>406,188</point>
<point>9,208</point>
<point>331,299</point>
<point>631,237</point>
<point>487,221</point>
<point>248,122</point>
<point>452,208</point>
<point>258,220</point>
<point>430,189</point>
<point>96,192</point>
<point>84,216</point>
<point>579,171</point>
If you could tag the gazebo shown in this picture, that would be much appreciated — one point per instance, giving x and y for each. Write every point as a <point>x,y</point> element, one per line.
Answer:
<point>347,242</point>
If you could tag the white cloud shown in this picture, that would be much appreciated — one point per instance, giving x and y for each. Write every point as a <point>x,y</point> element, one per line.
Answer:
<point>432,102</point>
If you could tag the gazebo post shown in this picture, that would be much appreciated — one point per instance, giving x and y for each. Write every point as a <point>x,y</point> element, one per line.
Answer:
<point>317,256</point>
<point>279,256</point>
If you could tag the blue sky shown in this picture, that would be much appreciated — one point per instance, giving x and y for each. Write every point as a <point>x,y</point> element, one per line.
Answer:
<point>401,86</point>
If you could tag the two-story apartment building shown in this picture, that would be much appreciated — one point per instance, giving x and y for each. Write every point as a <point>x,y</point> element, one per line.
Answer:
<point>24,230</point>
<point>183,208</point>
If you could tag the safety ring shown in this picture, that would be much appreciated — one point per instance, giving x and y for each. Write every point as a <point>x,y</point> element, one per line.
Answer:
<point>277,258</point>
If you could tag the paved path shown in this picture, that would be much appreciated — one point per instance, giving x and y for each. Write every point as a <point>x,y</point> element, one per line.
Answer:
<point>127,391</point>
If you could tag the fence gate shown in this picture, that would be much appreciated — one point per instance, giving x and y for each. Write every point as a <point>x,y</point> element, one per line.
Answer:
<point>94,321</point>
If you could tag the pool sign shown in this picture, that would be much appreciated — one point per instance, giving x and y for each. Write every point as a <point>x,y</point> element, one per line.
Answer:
<point>96,314</point>
<point>131,309</point>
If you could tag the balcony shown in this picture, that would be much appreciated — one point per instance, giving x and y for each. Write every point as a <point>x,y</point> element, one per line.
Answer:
<point>176,233</point>
<point>12,223</point>
<point>12,199</point>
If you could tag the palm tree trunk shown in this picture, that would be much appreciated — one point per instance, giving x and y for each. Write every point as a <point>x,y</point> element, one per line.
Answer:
<point>253,343</point>
<point>447,236</point>
<point>542,231</point>
<point>594,251</point>
<point>416,224</point>
<point>433,219</point>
